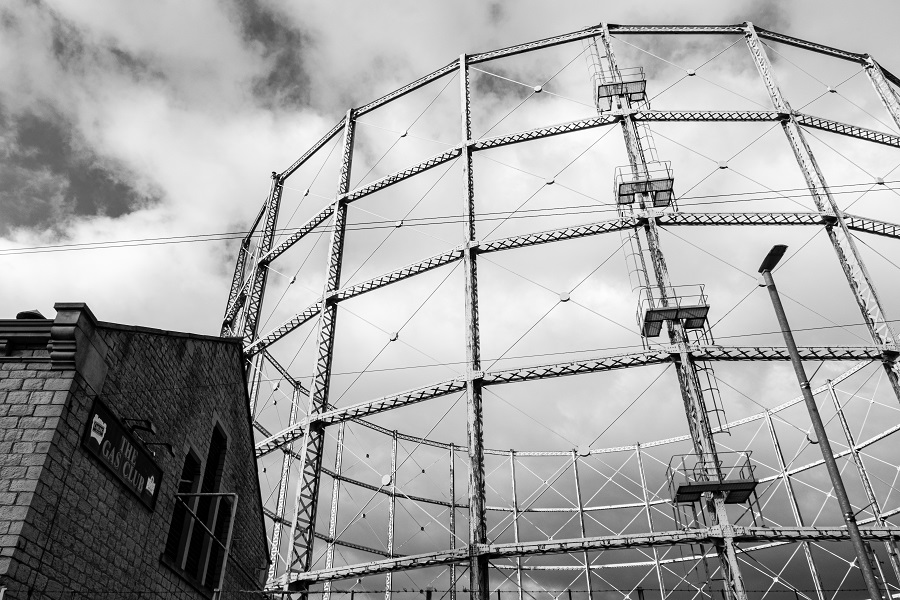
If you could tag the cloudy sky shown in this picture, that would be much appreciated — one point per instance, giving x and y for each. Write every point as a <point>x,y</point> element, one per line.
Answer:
<point>131,120</point>
<point>128,124</point>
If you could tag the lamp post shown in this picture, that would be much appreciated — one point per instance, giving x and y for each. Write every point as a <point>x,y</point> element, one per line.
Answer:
<point>834,473</point>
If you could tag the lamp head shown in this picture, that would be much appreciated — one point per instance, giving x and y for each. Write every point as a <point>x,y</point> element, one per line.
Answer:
<point>772,258</point>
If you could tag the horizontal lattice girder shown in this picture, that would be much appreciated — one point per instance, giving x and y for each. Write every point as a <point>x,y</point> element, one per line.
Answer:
<point>581,125</point>
<point>596,365</point>
<point>568,233</point>
<point>706,535</point>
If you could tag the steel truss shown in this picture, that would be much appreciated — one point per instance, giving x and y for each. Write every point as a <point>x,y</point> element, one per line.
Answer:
<point>302,443</point>
<point>708,535</point>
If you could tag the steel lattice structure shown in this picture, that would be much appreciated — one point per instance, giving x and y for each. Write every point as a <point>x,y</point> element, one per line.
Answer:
<point>718,547</point>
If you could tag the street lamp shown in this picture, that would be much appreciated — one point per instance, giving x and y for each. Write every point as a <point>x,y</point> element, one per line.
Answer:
<point>862,556</point>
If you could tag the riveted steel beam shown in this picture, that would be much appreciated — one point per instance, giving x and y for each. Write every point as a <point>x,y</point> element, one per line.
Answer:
<point>814,47</point>
<point>338,127</point>
<point>596,365</point>
<point>706,535</point>
<point>870,135</point>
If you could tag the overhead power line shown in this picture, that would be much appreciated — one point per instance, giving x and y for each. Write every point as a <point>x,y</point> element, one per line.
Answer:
<point>585,209</point>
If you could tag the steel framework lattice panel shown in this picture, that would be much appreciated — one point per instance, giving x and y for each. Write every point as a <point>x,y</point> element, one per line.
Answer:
<point>541,520</point>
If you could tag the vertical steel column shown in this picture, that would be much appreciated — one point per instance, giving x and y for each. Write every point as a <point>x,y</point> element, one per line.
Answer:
<point>889,545</point>
<point>257,288</point>
<point>237,282</point>
<point>261,271</point>
<point>640,460</point>
<point>689,384</point>
<point>515,516</point>
<point>851,261</point>
<point>478,565</point>
<point>278,526</point>
<point>795,508</point>
<point>452,519</point>
<point>883,88</point>
<point>307,495</point>
<point>237,295</point>
<point>254,380</point>
<point>335,501</point>
<point>587,561</point>
<point>392,506</point>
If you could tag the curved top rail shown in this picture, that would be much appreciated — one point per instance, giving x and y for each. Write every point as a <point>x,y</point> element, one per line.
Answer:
<point>812,46</point>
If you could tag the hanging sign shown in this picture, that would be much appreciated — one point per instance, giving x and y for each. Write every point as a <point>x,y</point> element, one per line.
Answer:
<point>113,445</point>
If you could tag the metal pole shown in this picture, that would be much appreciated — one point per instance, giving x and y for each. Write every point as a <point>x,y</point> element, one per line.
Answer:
<point>889,545</point>
<point>478,565</point>
<point>227,543</point>
<point>452,519</point>
<point>587,561</point>
<point>795,508</point>
<point>640,461</point>
<point>335,500</point>
<point>388,578</point>
<point>834,473</point>
<point>515,516</point>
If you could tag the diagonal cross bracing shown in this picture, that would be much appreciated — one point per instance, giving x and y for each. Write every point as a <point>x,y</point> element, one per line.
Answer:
<point>432,262</point>
<point>371,188</point>
<point>581,125</point>
<point>706,535</point>
<point>848,255</point>
<point>855,223</point>
<point>596,365</point>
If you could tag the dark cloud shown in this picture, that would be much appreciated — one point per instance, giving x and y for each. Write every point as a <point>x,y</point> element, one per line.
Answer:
<point>46,177</point>
<point>496,13</point>
<point>286,83</point>
<point>488,85</point>
<point>68,45</point>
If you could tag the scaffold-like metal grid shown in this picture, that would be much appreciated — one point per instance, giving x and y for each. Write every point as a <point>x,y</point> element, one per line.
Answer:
<point>486,288</point>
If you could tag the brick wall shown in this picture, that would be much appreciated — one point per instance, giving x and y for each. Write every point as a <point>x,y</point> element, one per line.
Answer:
<point>73,523</point>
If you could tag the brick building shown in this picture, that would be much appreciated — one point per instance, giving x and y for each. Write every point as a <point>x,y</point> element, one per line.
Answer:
<point>126,462</point>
